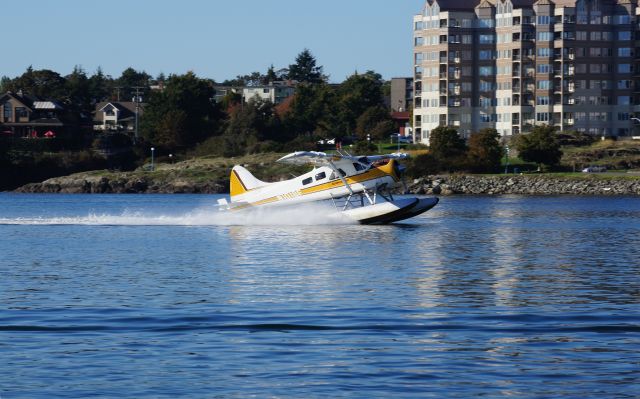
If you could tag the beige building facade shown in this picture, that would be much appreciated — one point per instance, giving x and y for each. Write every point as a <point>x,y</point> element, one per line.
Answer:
<point>514,64</point>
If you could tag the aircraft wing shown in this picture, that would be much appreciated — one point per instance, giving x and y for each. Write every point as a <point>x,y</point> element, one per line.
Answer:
<point>321,158</point>
<point>307,157</point>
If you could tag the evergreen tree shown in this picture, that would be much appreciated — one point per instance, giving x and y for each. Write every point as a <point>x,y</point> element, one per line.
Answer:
<point>99,86</point>
<point>78,91</point>
<point>270,77</point>
<point>126,83</point>
<point>305,69</point>
<point>41,83</point>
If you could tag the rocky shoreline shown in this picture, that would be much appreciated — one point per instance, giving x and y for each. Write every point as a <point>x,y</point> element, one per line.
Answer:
<point>524,185</point>
<point>123,185</point>
<point>431,185</point>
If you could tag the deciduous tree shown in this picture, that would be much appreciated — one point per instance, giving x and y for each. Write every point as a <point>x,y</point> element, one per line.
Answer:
<point>485,152</point>
<point>191,98</point>
<point>540,146</point>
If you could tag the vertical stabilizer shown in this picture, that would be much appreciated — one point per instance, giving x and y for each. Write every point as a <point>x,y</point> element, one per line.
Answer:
<point>242,181</point>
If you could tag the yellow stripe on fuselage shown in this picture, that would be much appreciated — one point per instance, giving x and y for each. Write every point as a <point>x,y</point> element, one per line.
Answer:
<point>371,174</point>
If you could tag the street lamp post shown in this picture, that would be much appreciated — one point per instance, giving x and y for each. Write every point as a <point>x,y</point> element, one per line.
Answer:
<point>152,151</point>
<point>506,166</point>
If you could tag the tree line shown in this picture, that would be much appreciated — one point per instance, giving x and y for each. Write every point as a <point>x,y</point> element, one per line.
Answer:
<point>183,116</point>
<point>483,152</point>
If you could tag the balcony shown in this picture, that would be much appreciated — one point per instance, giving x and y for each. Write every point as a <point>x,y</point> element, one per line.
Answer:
<point>443,75</point>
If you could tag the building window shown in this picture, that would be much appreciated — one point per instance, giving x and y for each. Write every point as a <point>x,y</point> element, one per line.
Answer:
<point>542,100</point>
<point>486,71</point>
<point>545,36</point>
<point>543,68</point>
<point>486,23</point>
<point>624,35</point>
<point>544,84</point>
<point>8,111</point>
<point>542,116</point>
<point>624,84</point>
<point>544,52</point>
<point>624,68</point>
<point>487,39</point>
<point>624,100</point>
<point>21,112</point>
<point>624,52</point>
<point>621,19</point>
<point>543,20</point>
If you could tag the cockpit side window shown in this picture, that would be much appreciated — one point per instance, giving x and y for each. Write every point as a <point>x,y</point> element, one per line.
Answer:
<point>306,181</point>
<point>358,166</point>
<point>320,176</point>
<point>334,176</point>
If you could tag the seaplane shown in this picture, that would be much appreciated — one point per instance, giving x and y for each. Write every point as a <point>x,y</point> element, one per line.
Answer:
<point>360,187</point>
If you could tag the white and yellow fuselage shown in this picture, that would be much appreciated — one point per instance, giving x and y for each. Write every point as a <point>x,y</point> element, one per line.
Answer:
<point>322,183</point>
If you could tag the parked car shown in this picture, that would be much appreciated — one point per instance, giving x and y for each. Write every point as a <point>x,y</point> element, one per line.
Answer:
<point>396,137</point>
<point>594,169</point>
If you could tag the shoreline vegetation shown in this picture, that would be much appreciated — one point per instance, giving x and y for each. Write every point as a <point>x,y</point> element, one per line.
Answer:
<point>210,175</point>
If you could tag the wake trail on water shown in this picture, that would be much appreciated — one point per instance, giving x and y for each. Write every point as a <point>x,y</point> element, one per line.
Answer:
<point>301,215</point>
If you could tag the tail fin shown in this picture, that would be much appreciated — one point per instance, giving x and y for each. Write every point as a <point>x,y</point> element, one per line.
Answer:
<point>242,181</point>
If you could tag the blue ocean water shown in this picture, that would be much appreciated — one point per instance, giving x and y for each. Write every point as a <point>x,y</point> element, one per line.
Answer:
<point>157,296</point>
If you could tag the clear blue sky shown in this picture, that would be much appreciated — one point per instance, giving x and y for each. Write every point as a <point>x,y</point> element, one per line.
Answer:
<point>217,39</point>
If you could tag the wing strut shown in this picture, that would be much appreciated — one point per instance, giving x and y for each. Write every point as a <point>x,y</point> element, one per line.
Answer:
<point>344,181</point>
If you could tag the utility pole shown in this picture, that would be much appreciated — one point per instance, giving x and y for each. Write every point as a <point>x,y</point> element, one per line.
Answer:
<point>137,101</point>
<point>118,92</point>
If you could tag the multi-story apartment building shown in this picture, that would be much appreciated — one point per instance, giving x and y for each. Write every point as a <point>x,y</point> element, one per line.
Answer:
<point>401,96</point>
<point>512,64</point>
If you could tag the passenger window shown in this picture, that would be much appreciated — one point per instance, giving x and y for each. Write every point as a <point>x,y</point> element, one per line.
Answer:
<point>306,181</point>
<point>321,176</point>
